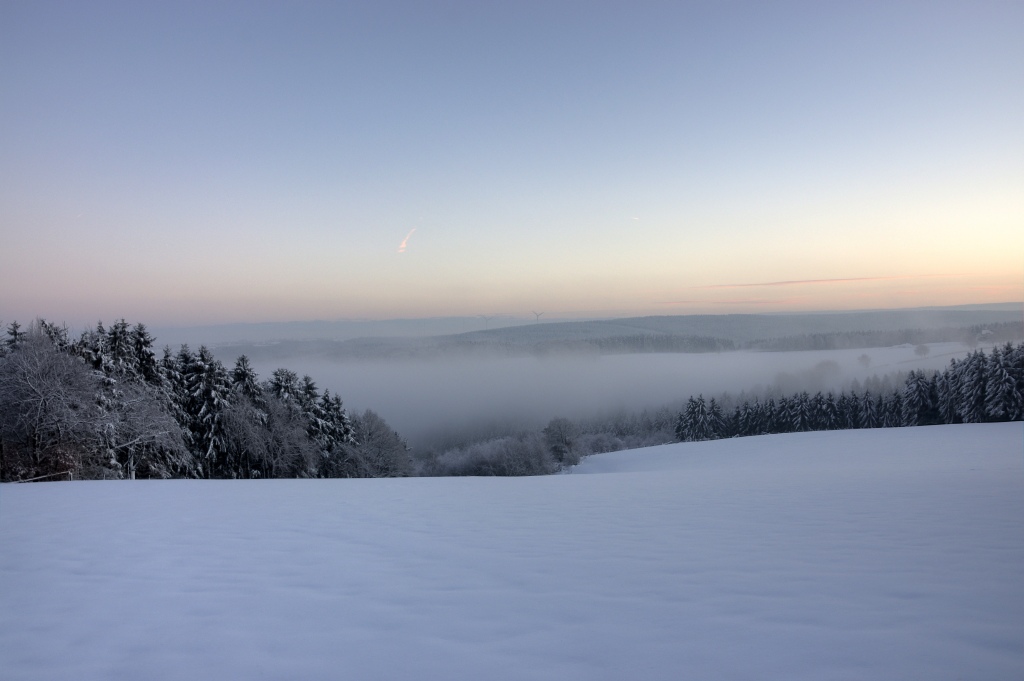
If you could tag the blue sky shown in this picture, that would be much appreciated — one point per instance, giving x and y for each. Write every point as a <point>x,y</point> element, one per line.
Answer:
<point>214,162</point>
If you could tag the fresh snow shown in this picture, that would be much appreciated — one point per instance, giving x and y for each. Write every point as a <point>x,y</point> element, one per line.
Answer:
<point>872,554</point>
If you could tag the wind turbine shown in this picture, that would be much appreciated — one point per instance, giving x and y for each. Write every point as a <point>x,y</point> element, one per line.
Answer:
<point>487,320</point>
<point>537,317</point>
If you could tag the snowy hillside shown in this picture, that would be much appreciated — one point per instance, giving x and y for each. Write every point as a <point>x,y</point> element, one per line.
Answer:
<point>873,554</point>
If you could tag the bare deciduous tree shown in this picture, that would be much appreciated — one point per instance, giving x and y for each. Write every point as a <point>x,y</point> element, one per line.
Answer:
<point>384,453</point>
<point>46,419</point>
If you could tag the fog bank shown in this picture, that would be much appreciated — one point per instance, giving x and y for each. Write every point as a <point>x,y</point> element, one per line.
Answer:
<point>423,398</point>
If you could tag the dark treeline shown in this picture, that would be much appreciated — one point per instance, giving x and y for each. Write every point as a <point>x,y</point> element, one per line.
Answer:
<point>105,406</point>
<point>839,340</point>
<point>637,343</point>
<point>529,340</point>
<point>977,389</point>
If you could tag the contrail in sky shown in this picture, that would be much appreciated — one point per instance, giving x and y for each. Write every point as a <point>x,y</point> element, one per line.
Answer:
<point>405,241</point>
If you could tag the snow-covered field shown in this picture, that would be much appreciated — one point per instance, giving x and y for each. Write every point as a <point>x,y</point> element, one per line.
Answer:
<point>883,554</point>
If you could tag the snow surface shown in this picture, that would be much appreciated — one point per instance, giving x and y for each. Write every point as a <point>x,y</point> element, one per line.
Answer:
<point>874,554</point>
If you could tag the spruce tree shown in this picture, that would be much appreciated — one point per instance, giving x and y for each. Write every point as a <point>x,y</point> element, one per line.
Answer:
<point>800,412</point>
<point>716,427</point>
<point>15,336</point>
<point>919,406</point>
<point>245,381</point>
<point>972,380</point>
<point>120,348</point>
<point>1003,401</point>
<point>746,419</point>
<point>868,411</point>
<point>848,407</point>
<point>892,410</point>
<point>948,394</point>
<point>209,389</point>
<point>284,385</point>
<point>783,420</point>
<point>91,346</point>
<point>144,357</point>
<point>682,427</point>
<point>830,420</point>
<point>700,425</point>
<point>768,417</point>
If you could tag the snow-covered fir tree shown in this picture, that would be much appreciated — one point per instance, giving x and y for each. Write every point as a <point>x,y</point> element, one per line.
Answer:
<point>1003,399</point>
<point>145,358</point>
<point>209,391</point>
<point>972,378</point>
<point>920,401</point>
<point>245,381</point>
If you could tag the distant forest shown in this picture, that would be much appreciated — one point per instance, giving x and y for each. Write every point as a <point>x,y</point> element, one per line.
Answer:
<point>653,335</point>
<point>836,340</point>
<point>104,406</point>
<point>977,389</point>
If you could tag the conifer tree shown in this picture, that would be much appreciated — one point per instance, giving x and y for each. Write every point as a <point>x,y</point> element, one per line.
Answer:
<point>800,412</point>
<point>948,394</point>
<point>972,382</point>
<point>92,347</point>
<point>768,417</point>
<point>848,408</point>
<point>245,380</point>
<point>783,421</point>
<point>892,410</point>
<point>284,385</point>
<point>830,413</point>
<point>868,411</point>
<point>685,426</point>
<point>307,395</point>
<point>1003,400</point>
<point>716,426</point>
<point>144,357</point>
<point>15,336</point>
<point>120,349</point>
<point>208,391</point>
<point>734,424</point>
<point>746,419</point>
<point>919,406</point>
<point>700,426</point>
<point>1014,358</point>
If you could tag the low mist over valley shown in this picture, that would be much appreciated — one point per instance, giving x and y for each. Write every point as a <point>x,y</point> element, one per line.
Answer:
<point>482,383</point>
<point>518,400</point>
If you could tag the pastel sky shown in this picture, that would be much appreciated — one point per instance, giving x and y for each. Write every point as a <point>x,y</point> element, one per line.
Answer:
<point>204,162</point>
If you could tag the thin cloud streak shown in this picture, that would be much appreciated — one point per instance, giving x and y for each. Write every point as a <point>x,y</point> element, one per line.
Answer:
<point>804,282</point>
<point>727,302</point>
<point>405,242</point>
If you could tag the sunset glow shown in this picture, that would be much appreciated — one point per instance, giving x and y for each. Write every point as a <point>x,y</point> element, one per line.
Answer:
<point>197,163</point>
